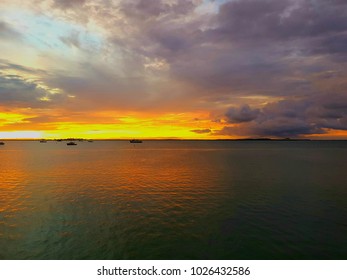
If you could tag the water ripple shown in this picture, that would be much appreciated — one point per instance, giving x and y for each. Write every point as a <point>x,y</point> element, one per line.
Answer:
<point>173,200</point>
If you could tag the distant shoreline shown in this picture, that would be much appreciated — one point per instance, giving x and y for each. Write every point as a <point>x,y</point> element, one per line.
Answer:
<point>175,139</point>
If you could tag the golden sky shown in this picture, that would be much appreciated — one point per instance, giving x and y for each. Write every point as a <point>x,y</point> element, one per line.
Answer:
<point>194,69</point>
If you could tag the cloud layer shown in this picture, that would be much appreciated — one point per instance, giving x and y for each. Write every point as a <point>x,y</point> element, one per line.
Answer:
<point>260,67</point>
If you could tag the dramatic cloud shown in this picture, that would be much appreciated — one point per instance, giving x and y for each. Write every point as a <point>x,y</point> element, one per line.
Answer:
<point>15,90</point>
<point>260,67</point>
<point>291,118</point>
<point>242,114</point>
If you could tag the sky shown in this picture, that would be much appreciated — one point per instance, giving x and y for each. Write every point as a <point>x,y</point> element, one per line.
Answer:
<point>187,69</point>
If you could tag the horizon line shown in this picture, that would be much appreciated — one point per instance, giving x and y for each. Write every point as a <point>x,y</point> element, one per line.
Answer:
<point>171,139</point>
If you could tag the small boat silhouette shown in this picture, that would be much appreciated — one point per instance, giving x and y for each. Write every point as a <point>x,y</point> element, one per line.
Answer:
<point>2,143</point>
<point>43,141</point>
<point>135,141</point>
<point>71,144</point>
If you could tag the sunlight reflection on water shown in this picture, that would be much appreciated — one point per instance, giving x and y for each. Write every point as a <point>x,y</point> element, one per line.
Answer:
<point>173,200</point>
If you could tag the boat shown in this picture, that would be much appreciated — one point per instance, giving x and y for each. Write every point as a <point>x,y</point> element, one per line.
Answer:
<point>43,141</point>
<point>2,143</point>
<point>71,144</point>
<point>135,141</point>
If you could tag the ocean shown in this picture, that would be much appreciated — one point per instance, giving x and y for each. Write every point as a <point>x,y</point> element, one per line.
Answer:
<point>173,200</point>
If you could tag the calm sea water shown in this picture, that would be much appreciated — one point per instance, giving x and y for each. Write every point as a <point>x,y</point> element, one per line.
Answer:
<point>173,200</point>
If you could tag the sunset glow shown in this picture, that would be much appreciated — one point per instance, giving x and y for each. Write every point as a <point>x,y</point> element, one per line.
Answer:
<point>186,69</point>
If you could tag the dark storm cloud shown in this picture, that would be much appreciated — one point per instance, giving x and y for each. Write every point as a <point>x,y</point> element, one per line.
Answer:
<point>293,118</point>
<point>242,114</point>
<point>272,128</point>
<point>170,41</point>
<point>282,20</point>
<point>254,45</point>
<point>14,89</point>
<point>164,29</point>
<point>333,44</point>
<point>17,91</point>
